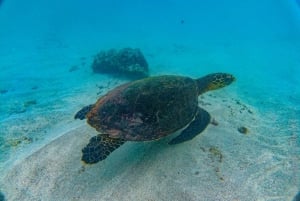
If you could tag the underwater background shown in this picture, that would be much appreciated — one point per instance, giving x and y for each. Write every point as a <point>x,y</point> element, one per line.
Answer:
<point>46,52</point>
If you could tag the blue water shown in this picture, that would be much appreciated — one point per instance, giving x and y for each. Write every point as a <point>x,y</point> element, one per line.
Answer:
<point>257,41</point>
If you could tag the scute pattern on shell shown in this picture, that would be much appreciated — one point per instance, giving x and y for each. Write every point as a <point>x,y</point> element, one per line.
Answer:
<point>146,109</point>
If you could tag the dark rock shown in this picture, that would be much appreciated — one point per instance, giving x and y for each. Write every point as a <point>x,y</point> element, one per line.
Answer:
<point>30,103</point>
<point>297,197</point>
<point>2,198</point>
<point>243,130</point>
<point>214,122</point>
<point>73,68</point>
<point>126,62</point>
<point>3,91</point>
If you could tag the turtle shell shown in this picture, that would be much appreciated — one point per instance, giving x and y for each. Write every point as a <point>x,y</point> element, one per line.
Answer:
<point>146,109</point>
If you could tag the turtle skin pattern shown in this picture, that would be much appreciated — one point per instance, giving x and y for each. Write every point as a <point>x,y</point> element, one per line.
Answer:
<point>99,147</point>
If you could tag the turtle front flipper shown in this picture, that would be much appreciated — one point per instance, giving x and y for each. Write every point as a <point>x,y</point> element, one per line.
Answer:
<point>99,147</point>
<point>81,114</point>
<point>202,119</point>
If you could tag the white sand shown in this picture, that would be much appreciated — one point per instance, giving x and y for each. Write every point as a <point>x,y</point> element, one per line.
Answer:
<point>252,167</point>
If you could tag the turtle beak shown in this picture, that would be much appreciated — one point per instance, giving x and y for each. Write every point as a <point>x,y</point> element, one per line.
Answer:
<point>228,79</point>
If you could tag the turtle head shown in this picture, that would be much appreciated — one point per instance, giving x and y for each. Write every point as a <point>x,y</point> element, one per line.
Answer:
<point>214,81</point>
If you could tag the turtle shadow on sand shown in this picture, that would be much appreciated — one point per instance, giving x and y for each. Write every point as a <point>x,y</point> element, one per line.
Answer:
<point>55,171</point>
<point>130,163</point>
<point>129,167</point>
<point>128,157</point>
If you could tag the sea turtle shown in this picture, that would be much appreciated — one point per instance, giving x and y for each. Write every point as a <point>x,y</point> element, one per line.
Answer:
<point>148,109</point>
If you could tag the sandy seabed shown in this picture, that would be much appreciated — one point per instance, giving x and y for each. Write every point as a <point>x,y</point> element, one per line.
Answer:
<point>219,164</point>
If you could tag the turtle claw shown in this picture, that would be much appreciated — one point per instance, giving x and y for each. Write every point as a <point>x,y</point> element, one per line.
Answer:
<point>81,114</point>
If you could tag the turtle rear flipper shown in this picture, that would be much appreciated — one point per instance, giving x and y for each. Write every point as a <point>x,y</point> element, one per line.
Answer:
<point>99,147</point>
<point>202,119</point>
<point>81,114</point>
